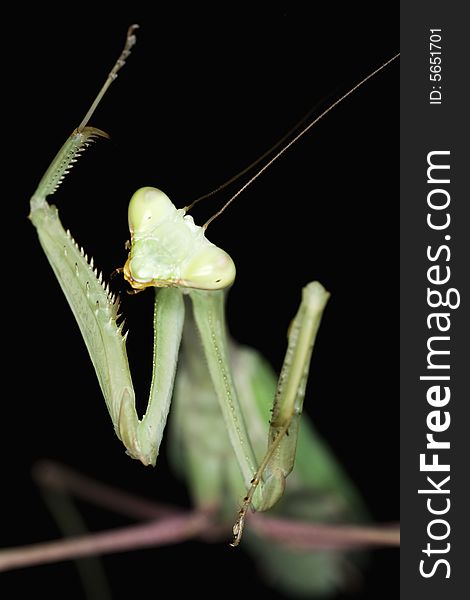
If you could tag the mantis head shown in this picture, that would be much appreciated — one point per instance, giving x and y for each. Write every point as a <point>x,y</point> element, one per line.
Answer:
<point>169,249</point>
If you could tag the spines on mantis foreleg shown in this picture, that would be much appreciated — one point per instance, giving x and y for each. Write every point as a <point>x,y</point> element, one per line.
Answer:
<point>63,162</point>
<point>96,312</point>
<point>95,309</point>
<point>82,136</point>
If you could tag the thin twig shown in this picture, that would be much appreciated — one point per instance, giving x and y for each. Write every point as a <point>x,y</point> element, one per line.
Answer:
<point>318,536</point>
<point>177,526</point>
<point>64,479</point>
<point>171,530</point>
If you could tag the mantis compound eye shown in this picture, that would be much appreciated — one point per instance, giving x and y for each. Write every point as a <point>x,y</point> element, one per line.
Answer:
<point>211,268</point>
<point>147,209</point>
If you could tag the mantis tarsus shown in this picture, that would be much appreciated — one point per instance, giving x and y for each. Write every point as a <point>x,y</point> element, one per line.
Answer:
<point>245,477</point>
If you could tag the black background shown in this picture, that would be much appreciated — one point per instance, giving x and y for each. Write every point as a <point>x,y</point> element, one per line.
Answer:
<point>203,94</point>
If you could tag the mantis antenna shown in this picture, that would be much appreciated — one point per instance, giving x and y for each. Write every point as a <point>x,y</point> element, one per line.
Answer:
<point>253,164</point>
<point>121,61</point>
<point>286,147</point>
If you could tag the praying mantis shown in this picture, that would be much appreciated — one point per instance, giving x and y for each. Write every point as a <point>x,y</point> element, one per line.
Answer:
<point>172,254</point>
<point>247,483</point>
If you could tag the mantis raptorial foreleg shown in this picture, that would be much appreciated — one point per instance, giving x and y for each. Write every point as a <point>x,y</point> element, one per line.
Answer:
<point>96,309</point>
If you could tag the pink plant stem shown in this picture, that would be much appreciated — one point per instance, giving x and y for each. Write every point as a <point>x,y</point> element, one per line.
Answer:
<point>171,530</point>
<point>175,525</point>
<point>302,535</point>
<point>64,479</point>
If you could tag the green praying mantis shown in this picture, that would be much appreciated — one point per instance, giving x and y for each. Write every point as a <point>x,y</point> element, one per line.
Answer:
<point>236,429</point>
